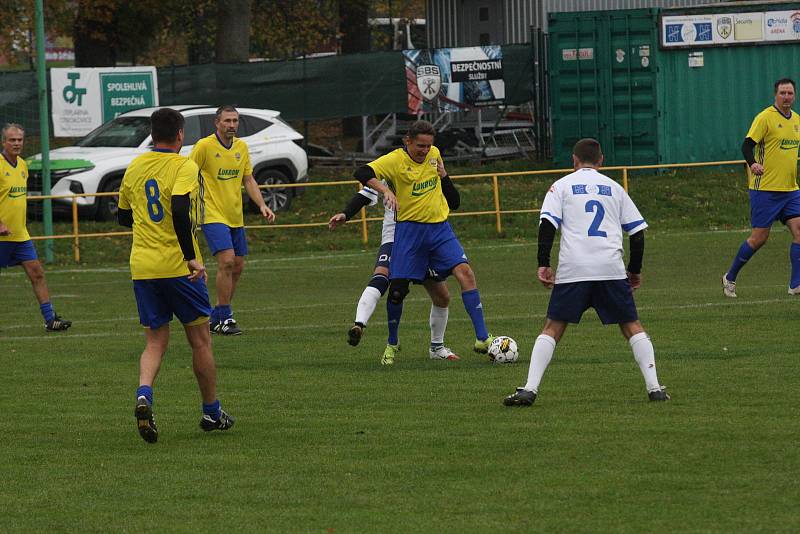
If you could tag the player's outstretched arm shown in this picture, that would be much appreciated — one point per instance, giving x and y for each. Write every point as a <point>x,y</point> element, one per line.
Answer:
<point>366,175</point>
<point>336,221</point>
<point>354,205</point>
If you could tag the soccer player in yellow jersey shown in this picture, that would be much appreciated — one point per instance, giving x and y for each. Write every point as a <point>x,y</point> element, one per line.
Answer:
<point>418,189</point>
<point>156,198</point>
<point>224,163</point>
<point>770,149</point>
<point>16,247</point>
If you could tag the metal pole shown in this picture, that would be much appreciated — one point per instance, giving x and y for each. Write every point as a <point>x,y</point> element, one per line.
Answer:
<point>496,190</point>
<point>625,178</point>
<point>44,129</point>
<point>76,245</point>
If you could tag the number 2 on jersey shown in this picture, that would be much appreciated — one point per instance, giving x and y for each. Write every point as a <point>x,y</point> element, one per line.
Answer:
<point>594,228</point>
<point>154,207</point>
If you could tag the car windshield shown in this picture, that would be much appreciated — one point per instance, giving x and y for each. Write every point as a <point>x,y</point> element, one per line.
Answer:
<point>121,132</point>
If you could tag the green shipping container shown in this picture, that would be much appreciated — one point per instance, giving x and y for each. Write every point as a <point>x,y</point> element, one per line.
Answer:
<point>609,79</point>
<point>603,83</point>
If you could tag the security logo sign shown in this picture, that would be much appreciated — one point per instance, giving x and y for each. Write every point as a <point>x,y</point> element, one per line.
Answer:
<point>724,27</point>
<point>429,81</point>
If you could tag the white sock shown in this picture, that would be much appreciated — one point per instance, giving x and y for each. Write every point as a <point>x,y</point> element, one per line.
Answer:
<point>541,355</point>
<point>366,304</point>
<point>438,324</point>
<point>645,356</point>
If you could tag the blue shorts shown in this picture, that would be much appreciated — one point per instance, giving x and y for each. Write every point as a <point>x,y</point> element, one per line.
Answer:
<point>420,247</point>
<point>158,299</point>
<point>611,299</point>
<point>385,256</point>
<point>223,237</point>
<point>767,207</point>
<point>15,252</point>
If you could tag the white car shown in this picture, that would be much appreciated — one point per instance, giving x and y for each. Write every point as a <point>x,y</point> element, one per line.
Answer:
<point>97,162</point>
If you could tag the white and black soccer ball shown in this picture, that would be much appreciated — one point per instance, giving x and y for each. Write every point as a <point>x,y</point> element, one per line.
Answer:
<point>503,349</point>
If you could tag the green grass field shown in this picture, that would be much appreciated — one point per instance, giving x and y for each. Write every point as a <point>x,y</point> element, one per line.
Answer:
<point>326,440</point>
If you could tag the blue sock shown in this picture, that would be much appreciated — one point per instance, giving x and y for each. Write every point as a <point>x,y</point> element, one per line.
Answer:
<point>225,312</point>
<point>742,256</point>
<point>472,303</point>
<point>393,314</point>
<point>215,315</point>
<point>47,312</point>
<point>794,257</point>
<point>146,392</point>
<point>212,409</point>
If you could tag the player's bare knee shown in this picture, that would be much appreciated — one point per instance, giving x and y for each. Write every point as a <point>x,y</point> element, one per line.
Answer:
<point>34,271</point>
<point>226,265</point>
<point>465,276</point>
<point>631,329</point>
<point>554,329</point>
<point>758,238</point>
<point>398,289</point>
<point>442,301</point>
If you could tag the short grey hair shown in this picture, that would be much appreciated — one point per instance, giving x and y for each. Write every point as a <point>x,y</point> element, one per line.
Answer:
<point>11,126</point>
<point>222,109</point>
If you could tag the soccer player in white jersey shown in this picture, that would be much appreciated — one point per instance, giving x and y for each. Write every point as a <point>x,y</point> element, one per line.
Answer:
<point>435,284</point>
<point>592,211</point>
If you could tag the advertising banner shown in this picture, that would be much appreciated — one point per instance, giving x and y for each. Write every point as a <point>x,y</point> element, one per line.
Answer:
<point>452,79</point>
<point>85,98</point>
<point>729,28</point>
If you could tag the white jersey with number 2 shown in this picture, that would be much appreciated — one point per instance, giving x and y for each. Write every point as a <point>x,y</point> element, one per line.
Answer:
<point>591,210</point>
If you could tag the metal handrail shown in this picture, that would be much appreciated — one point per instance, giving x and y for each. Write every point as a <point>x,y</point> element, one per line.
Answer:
<point>498,212</point>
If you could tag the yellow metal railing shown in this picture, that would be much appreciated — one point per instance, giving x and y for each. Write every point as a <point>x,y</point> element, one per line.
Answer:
<point>76,236</point>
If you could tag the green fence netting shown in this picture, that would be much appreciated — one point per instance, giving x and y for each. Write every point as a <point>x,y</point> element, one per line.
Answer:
<point>301,89</point>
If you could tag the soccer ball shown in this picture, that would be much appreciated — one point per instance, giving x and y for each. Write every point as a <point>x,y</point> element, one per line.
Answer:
<point>503,349</point>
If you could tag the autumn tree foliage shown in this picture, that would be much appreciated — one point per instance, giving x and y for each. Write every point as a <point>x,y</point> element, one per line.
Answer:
<point>163,32</point>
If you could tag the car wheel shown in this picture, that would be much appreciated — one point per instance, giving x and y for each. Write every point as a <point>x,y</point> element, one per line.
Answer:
<point>107,206</point>
<point>278,199</point>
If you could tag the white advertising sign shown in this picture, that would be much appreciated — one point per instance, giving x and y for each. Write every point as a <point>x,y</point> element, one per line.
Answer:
<point>782,25</point>
<point>729,28</point>
<point>85,98</point>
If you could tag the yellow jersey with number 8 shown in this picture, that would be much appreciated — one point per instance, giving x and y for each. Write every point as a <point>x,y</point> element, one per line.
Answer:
<point>147,189</point>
